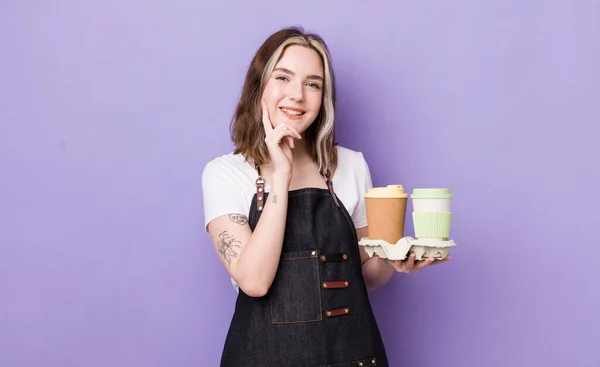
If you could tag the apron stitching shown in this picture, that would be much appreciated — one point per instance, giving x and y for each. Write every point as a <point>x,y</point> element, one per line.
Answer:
<point>316,257</point>
<point>320,291</point>
<point>256,214</point>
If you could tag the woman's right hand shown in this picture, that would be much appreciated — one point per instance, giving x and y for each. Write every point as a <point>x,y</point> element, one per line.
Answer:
<point>280,142</point>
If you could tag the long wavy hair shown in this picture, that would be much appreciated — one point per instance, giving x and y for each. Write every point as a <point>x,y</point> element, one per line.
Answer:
<point>247,130</point>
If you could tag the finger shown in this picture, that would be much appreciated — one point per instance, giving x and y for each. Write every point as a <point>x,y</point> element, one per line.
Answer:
<point>296,133</point>
<point>265,117</point>
<point>403,266</point>
<point>413,263</point>
<point>410,262</point>
<point>436,262</point>
<point>281,136</point>
<point>424,263</point>
<point>398,265</point>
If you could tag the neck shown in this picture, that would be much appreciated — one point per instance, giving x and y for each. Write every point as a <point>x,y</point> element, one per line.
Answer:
<point>300,152</point>
<point>301,157</point>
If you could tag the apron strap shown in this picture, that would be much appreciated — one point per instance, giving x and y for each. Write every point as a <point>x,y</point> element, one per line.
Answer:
<point>260,189</point>
<point>330,187</point>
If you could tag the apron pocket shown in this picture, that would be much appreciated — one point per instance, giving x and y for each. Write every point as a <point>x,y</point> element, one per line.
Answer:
<point>295,295</point>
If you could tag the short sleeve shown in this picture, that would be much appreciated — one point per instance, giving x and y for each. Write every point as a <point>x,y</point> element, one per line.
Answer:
<point>221,193</point>
<point>364,183</point>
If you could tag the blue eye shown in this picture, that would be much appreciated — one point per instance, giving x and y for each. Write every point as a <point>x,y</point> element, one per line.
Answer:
<point>314,85</point>
<point>281,77</point>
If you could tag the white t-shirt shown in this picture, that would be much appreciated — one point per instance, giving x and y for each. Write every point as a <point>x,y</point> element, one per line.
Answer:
<point>229,184</point>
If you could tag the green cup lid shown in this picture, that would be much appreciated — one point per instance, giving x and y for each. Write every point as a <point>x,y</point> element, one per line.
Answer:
<point>431,194</point>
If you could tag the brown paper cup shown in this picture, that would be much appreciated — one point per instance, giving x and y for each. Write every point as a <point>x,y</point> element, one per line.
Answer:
<point>386,213</point>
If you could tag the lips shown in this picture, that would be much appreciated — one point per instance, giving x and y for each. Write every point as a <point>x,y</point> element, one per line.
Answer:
<point>292,113</point>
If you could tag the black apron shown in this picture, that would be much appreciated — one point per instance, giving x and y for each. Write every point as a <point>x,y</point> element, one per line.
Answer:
<point>317,312</point>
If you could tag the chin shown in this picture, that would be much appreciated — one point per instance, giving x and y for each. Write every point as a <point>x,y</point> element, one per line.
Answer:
<point>300,126</point>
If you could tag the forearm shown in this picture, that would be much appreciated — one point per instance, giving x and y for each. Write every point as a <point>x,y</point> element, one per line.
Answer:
<point>258,262</point>
<point>377,272</point>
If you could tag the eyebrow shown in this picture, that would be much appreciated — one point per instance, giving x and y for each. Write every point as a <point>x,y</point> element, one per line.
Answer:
<point>287,71</point>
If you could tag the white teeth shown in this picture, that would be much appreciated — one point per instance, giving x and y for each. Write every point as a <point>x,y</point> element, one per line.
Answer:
<point>296,113</point>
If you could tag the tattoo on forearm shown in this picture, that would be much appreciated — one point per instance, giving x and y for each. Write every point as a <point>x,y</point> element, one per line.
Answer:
<point>274,199</point>
<point>228,246</point>
<point>238,219</point>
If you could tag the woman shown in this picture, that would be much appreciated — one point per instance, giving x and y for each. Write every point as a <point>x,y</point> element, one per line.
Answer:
<point>285,211</point>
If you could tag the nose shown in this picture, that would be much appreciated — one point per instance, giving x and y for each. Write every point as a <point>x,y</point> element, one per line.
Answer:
<point>296,92</point>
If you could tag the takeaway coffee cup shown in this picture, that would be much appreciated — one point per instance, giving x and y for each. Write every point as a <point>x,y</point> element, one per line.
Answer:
<point>386,212</point>
<point>431,213</point>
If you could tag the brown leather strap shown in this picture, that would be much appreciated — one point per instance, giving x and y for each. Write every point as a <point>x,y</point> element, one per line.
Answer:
<point>260,190</point>
<point>335,285</point>
<point>330,187</point>
<point>337,312</point>
<point>334,257</point>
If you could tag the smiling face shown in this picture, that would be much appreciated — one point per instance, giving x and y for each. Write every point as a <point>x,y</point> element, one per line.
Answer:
<point>292,74</point>
<point>294,91</point>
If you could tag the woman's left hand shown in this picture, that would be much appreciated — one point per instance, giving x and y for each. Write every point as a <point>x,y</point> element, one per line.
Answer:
<point>410,265</point>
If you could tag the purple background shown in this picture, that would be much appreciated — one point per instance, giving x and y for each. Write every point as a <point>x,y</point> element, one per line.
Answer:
<point>110,110</point>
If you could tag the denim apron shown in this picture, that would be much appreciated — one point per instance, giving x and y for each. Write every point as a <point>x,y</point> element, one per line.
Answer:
<point>317,312</point>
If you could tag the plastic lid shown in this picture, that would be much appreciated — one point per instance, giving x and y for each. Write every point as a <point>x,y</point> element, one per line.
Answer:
<point>391,191</point>
<point>431,194</point>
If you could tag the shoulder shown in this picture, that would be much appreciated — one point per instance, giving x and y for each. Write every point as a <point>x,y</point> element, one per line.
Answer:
<point>227,160</point>
<point>228,164</point>
<point>227,172</point>
<point>352,169</point>
<point>227,186</point>
<point>351,180</point>
<point>351,160</point>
